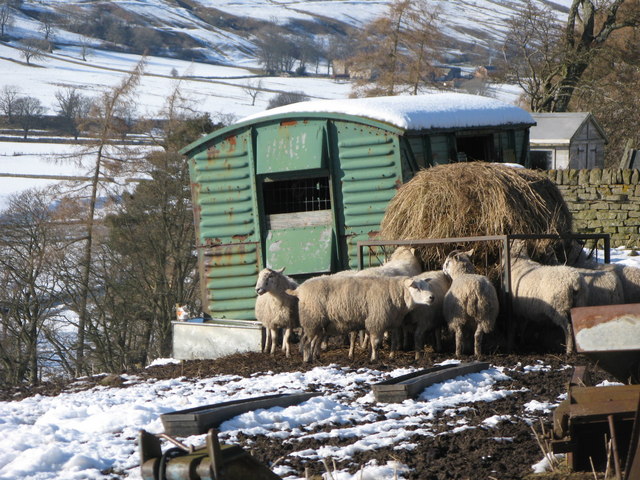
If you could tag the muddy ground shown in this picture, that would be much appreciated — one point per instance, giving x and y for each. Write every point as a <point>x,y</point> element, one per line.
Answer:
<point>471,454</point>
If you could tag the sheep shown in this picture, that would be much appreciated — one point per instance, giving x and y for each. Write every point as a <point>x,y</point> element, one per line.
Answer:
<point>275,308</point>
<point>603,283</point>
<point>426,318</point>
<point>470,302</point>
<point>334,305</point>
<point>403,262</point>
<point>545,291</point>
<point>628,276</point>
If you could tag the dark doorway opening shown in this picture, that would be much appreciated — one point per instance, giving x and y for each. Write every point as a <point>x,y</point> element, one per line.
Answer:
<point>475,148</point>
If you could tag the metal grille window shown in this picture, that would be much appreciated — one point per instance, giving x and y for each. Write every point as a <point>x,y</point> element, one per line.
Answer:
<point>299,195</point>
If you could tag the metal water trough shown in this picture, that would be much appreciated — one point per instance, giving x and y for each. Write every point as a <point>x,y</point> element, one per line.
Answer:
<point>198,420</point>
<point>408,386</point>
<point>600,426</point>
<point>212,461</point>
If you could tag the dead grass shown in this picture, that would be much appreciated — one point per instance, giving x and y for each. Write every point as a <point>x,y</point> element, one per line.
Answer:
<point>474,199</point>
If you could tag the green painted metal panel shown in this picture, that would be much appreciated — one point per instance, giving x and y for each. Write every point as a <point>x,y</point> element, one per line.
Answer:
<point>227,230</point>
<point>291,145</point>
<point>223,178</point>
<point>230,276</point>
<point>302,250</point>
<point>369,170</point>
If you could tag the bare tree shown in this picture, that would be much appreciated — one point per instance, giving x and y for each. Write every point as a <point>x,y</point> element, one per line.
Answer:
<point>8,96</point>
<point>73,108</point>
<point>105,123</point>
<point>6,18</point>
<point>29,284</point>
<point>33,49</point>
<point>28,112</point>
<point>553,57</point>
<point>533,54</point>
<point>47,28</point>
<point>395,53</point>
<point>85,48</point>
<point>253,89</point>
<point>276,52</point>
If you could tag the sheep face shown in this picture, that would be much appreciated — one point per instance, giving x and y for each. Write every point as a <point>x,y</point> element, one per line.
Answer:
<point>267,280</point>
<point>458,262</point>
<point>420,291</point>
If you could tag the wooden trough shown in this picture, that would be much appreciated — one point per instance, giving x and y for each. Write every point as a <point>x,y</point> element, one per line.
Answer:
<point>408,386</point>
<point>198,420</point>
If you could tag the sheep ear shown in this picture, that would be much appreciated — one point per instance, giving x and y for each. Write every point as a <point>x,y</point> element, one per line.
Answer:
<point>281,270</point>
<point>408,282</point>
<point>412,250</point>
<point>470,252</point>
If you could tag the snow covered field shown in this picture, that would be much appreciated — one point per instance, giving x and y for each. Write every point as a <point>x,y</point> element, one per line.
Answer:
<point>76,435</point>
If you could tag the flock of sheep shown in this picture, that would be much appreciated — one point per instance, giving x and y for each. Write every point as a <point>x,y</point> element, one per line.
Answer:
<point>399,299</point>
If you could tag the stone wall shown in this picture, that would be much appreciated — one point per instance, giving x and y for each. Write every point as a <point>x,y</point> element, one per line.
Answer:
<point>603,201</point>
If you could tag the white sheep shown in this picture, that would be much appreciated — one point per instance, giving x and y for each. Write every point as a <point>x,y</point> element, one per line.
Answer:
<point>403,262</point>
<point>427,318</point>
<point>471,301</point>
<point>275,308</point>
<point>336,305</point>
<point>628,276</point>
<point>540,292</point>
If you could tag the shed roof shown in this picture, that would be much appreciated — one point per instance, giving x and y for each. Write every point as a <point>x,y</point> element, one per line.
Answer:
<point>414,112</point>
<point>560,128</point>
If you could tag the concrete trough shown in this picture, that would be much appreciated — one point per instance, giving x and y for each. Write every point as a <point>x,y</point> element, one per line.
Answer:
<point>205,340</point>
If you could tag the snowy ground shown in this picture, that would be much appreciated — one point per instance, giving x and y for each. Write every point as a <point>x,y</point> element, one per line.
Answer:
<point>76,435</point>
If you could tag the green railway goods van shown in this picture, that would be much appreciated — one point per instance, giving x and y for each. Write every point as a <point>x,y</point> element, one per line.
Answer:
<point>298,186</point>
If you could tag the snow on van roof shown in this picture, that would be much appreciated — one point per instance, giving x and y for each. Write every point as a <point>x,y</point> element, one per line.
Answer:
<point>415,112</point>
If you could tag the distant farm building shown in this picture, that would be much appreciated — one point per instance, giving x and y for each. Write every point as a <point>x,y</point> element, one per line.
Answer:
<point>567,140</point>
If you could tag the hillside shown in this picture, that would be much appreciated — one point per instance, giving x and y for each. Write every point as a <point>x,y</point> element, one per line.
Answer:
<point>224,31</point>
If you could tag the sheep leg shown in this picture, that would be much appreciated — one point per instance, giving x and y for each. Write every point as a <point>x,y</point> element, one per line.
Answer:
<point>267,340</point>
<point>274,340</point>
<point>374,339</point>
<point>307,348</point>
<point>477,341</point>
<point>418,340</point>
<point>353,337</point>
<point>396,339</point>
<point>285,342</point>
<point>438,338</point>
<point>569,337</point>
<point>459,342</point>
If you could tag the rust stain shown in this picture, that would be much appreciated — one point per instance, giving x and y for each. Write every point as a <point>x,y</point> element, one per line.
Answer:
<point>288,123</point>
<point>372,234</point>
<point>240,238</point>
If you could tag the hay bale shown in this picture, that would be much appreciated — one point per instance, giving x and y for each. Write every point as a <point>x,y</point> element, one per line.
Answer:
<point>474,199</point>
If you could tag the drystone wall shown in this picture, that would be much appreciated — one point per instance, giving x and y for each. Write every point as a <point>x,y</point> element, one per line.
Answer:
<point>603,201</point>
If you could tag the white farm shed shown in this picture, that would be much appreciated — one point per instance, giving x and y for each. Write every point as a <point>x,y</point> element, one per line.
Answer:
<point>566,140</point>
